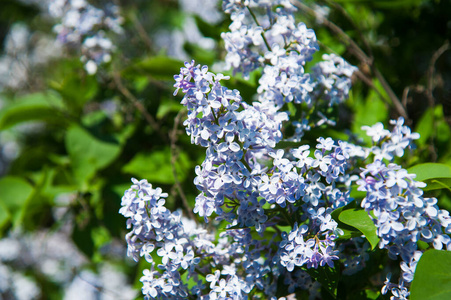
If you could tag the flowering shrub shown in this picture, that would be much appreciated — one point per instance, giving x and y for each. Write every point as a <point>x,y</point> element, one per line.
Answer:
<point>273,157</point>
<point>281,210</point>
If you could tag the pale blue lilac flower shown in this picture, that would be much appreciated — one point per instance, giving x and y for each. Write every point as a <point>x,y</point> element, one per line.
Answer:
<point>402,216</point>
<point>390,143</point>
<point>83,26</point>
<point>155,227</point>
<point>377,132</point>
<point>333,78</point>
<point>296,251</point>
<point>265,35</point>
<point>235,135</point>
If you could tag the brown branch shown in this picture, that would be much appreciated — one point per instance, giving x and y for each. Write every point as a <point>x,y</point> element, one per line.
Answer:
<point>142,32</point>
<point>405,95</point>
<point>359,53</point>
<point>127,94</point>
<point>173,139</point>
<point>429,94</point>
<point>370,83</point>
<point>349,18</point>
<point>431,71</point>
<point>398,105</point>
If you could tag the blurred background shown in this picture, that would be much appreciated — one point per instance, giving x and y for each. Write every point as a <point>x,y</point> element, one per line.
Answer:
<point>86,103</point>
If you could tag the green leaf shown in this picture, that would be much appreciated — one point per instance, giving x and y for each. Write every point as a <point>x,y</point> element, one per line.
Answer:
<point>23,205</point>
<point>167,106</point>
<point>56,183</point>
<point>5,218</point>
<point>159,67</point>
<point>36,210</point>
<point>82,237</point>
<point>387,4</point>
<point>432,279</point>
<point>437,184</point>
<point>443,130</point>
<point>76,90</point>
<point>360,219</point>
<point>430,171</point>
<point>328,277</point>
<point>435,175</point>
<point>425,127</point>
<point>397,4</point>
<point>348,231</point>
<point>88,154</point>
<point>33,107</point>
<point>368,112</point>
<point>100,236</point>
<point>156,166</point>
<point>207,29</point>
<point>14,194</point>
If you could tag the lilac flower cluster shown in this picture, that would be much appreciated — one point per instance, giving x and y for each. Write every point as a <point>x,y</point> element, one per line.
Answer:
<point>238,137</point>
<point>229,266</point>
<point>265,35</point>
<point>400,212</point>
<point>321,186</point>
<point>333,77</point>
<point>388,145</point>
<point>155,227</point>
<point>84,26</point>
<point>235,134</point>
<point>183,248</point>
<point>248,184</point>
<point>251,35</point>
<point>239,185</point>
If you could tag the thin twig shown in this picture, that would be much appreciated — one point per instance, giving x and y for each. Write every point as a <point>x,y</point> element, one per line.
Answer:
<point>142,32</point>
<point>429,94</point>
<point>370,83</point>
<point>431,71</point>
<point>360,54</point>
<point>405,95</point>
<point>258,24</point>
<point>173,140</point>
<point>349,18</point>
<point>127,94</point>
<point>398,105</point>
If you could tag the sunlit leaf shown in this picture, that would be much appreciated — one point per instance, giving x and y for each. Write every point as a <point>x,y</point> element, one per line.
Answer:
<point>168,106</point>
<point>425,127</point>
<point>435,175</point>
<point>432,280</point>
<point>430,170</point>
<point>14,194</point>
<point>360,219</point>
